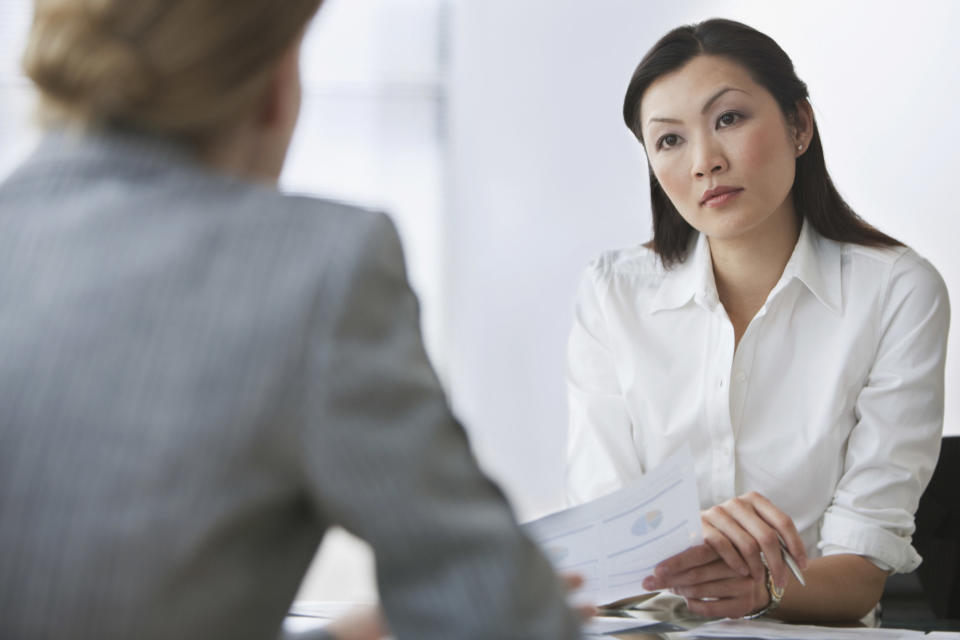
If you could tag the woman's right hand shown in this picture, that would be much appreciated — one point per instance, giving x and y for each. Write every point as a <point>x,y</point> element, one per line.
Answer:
<point>743,527</point>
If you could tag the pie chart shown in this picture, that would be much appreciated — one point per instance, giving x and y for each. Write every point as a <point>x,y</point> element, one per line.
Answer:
<point>648,522</point>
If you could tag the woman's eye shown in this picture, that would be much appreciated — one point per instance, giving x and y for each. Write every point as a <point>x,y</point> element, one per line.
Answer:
<point>728,119</point>
<point>667,141</point>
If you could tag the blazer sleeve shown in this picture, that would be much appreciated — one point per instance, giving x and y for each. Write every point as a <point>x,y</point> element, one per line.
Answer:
<point>386,460</point>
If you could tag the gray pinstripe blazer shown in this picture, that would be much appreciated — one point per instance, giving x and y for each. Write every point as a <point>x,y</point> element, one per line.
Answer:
<point>197,377</point>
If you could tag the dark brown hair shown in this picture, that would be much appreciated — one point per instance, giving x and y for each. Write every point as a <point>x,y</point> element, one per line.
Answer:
<point>814,197</point>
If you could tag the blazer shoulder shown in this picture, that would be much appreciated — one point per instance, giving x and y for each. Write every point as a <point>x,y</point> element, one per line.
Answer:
<point>306,221</point>
<point>260,202</point>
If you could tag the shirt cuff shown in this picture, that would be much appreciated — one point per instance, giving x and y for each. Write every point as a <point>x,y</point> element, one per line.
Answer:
<point>849,533</point>
<point>835,549</point>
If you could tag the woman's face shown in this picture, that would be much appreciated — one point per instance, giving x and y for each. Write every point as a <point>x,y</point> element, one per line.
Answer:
<point>720,147</point>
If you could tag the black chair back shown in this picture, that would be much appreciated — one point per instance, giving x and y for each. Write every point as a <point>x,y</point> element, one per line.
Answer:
<point>937,537</point>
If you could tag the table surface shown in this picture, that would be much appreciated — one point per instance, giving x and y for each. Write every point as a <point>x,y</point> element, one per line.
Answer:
<point>298,627</point>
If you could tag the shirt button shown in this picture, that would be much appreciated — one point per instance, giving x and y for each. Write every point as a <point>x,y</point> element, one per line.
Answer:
<point>741,376</point>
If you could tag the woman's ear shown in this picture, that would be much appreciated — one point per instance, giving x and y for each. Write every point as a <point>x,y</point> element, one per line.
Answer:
<point>274,122</point>
<point>256,147</point>
<point>281,100</point>
<point>802,126</point>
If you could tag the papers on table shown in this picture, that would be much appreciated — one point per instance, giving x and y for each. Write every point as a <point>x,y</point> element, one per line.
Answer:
<point>306,616</point>
<point>324,609</point>
<point>773,630</point>
<point>604,625</point>
<point>302,626</point>
<point>616,541</point>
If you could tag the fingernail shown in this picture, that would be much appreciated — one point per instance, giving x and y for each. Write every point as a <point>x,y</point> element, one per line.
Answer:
<point>744,571</point>
<point>651,584</point>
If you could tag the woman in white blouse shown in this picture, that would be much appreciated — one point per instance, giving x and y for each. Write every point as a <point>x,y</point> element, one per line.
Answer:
<point>795,348</point>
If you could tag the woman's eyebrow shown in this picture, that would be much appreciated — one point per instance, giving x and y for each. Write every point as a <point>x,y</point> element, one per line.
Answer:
<point>706,106</point>
<point>714,97</point>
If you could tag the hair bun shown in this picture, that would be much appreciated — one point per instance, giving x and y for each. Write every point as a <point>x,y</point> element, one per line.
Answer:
<point>80,64</point>
<point>185,68</point>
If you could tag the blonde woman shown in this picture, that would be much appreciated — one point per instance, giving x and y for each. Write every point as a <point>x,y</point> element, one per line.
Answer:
<point>199,374</point>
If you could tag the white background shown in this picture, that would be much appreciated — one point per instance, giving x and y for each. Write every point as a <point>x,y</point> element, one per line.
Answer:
<point>491,129</point>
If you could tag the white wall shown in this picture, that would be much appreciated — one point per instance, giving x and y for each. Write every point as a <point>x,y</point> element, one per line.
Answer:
<point>368,131</point>
<point>543,176</point>
<point>17,136</point>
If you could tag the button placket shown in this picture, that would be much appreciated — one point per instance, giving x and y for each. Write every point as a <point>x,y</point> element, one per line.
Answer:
<point>744,357</point>
<point>720,427</point>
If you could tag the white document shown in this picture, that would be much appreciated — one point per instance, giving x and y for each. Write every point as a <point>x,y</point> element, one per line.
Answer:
<point>605,625</point>
<point>325,609</point>
<point>773,630</point>
<point>616,541</point>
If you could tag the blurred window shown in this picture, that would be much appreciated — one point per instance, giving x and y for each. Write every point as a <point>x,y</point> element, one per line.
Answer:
<point>371,126</point>
<point>370,129</point>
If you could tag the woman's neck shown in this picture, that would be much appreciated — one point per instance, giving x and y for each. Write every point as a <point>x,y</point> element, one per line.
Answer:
<point>747,267</point>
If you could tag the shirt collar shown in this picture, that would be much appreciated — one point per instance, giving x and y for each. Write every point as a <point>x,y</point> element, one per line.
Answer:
<point>689,280</point>
<point>815,261</point>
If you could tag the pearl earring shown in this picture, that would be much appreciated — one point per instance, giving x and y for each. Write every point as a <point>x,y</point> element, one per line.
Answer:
<point>799,147</point>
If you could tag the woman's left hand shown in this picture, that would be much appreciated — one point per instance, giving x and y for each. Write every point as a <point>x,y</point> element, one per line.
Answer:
<point>726,575</point>
<point>710,586</point>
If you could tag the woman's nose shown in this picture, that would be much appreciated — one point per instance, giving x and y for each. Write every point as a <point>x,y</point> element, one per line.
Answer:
<point>709,160</point>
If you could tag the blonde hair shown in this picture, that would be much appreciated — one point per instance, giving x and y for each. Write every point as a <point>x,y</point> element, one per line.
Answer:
<point>186,68</point>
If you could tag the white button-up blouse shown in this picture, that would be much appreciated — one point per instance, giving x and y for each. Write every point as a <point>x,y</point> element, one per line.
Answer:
<point>831,405</point>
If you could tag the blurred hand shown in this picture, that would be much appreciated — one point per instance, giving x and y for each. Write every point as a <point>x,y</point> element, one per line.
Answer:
<point>363,623</point>
<point>367,623</point>
<point>572,582</point>
<point>727,569</point>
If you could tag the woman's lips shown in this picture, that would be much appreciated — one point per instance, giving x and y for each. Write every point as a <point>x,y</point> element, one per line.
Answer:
<point>721,198</point>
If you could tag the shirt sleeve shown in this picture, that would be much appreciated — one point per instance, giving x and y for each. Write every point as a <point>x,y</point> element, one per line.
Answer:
<point>601,453</point>
<point>893,448</point>
<point>385,459</point>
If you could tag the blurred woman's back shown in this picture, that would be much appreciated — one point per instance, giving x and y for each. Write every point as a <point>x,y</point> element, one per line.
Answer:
<point>199,374</point>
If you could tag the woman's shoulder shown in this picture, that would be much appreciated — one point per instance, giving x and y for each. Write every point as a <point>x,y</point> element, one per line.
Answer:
<point>631,273</point>
<point>894,271</point>
<point>154,176</point>
<point>237,208</point>
<point>332,236</point>
<point>878,256</point>
<point>319,212</point>
<point>639,262</point>
<point>891,261</point>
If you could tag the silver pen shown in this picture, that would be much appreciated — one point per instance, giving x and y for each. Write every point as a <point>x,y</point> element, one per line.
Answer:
<point>791,562</point>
